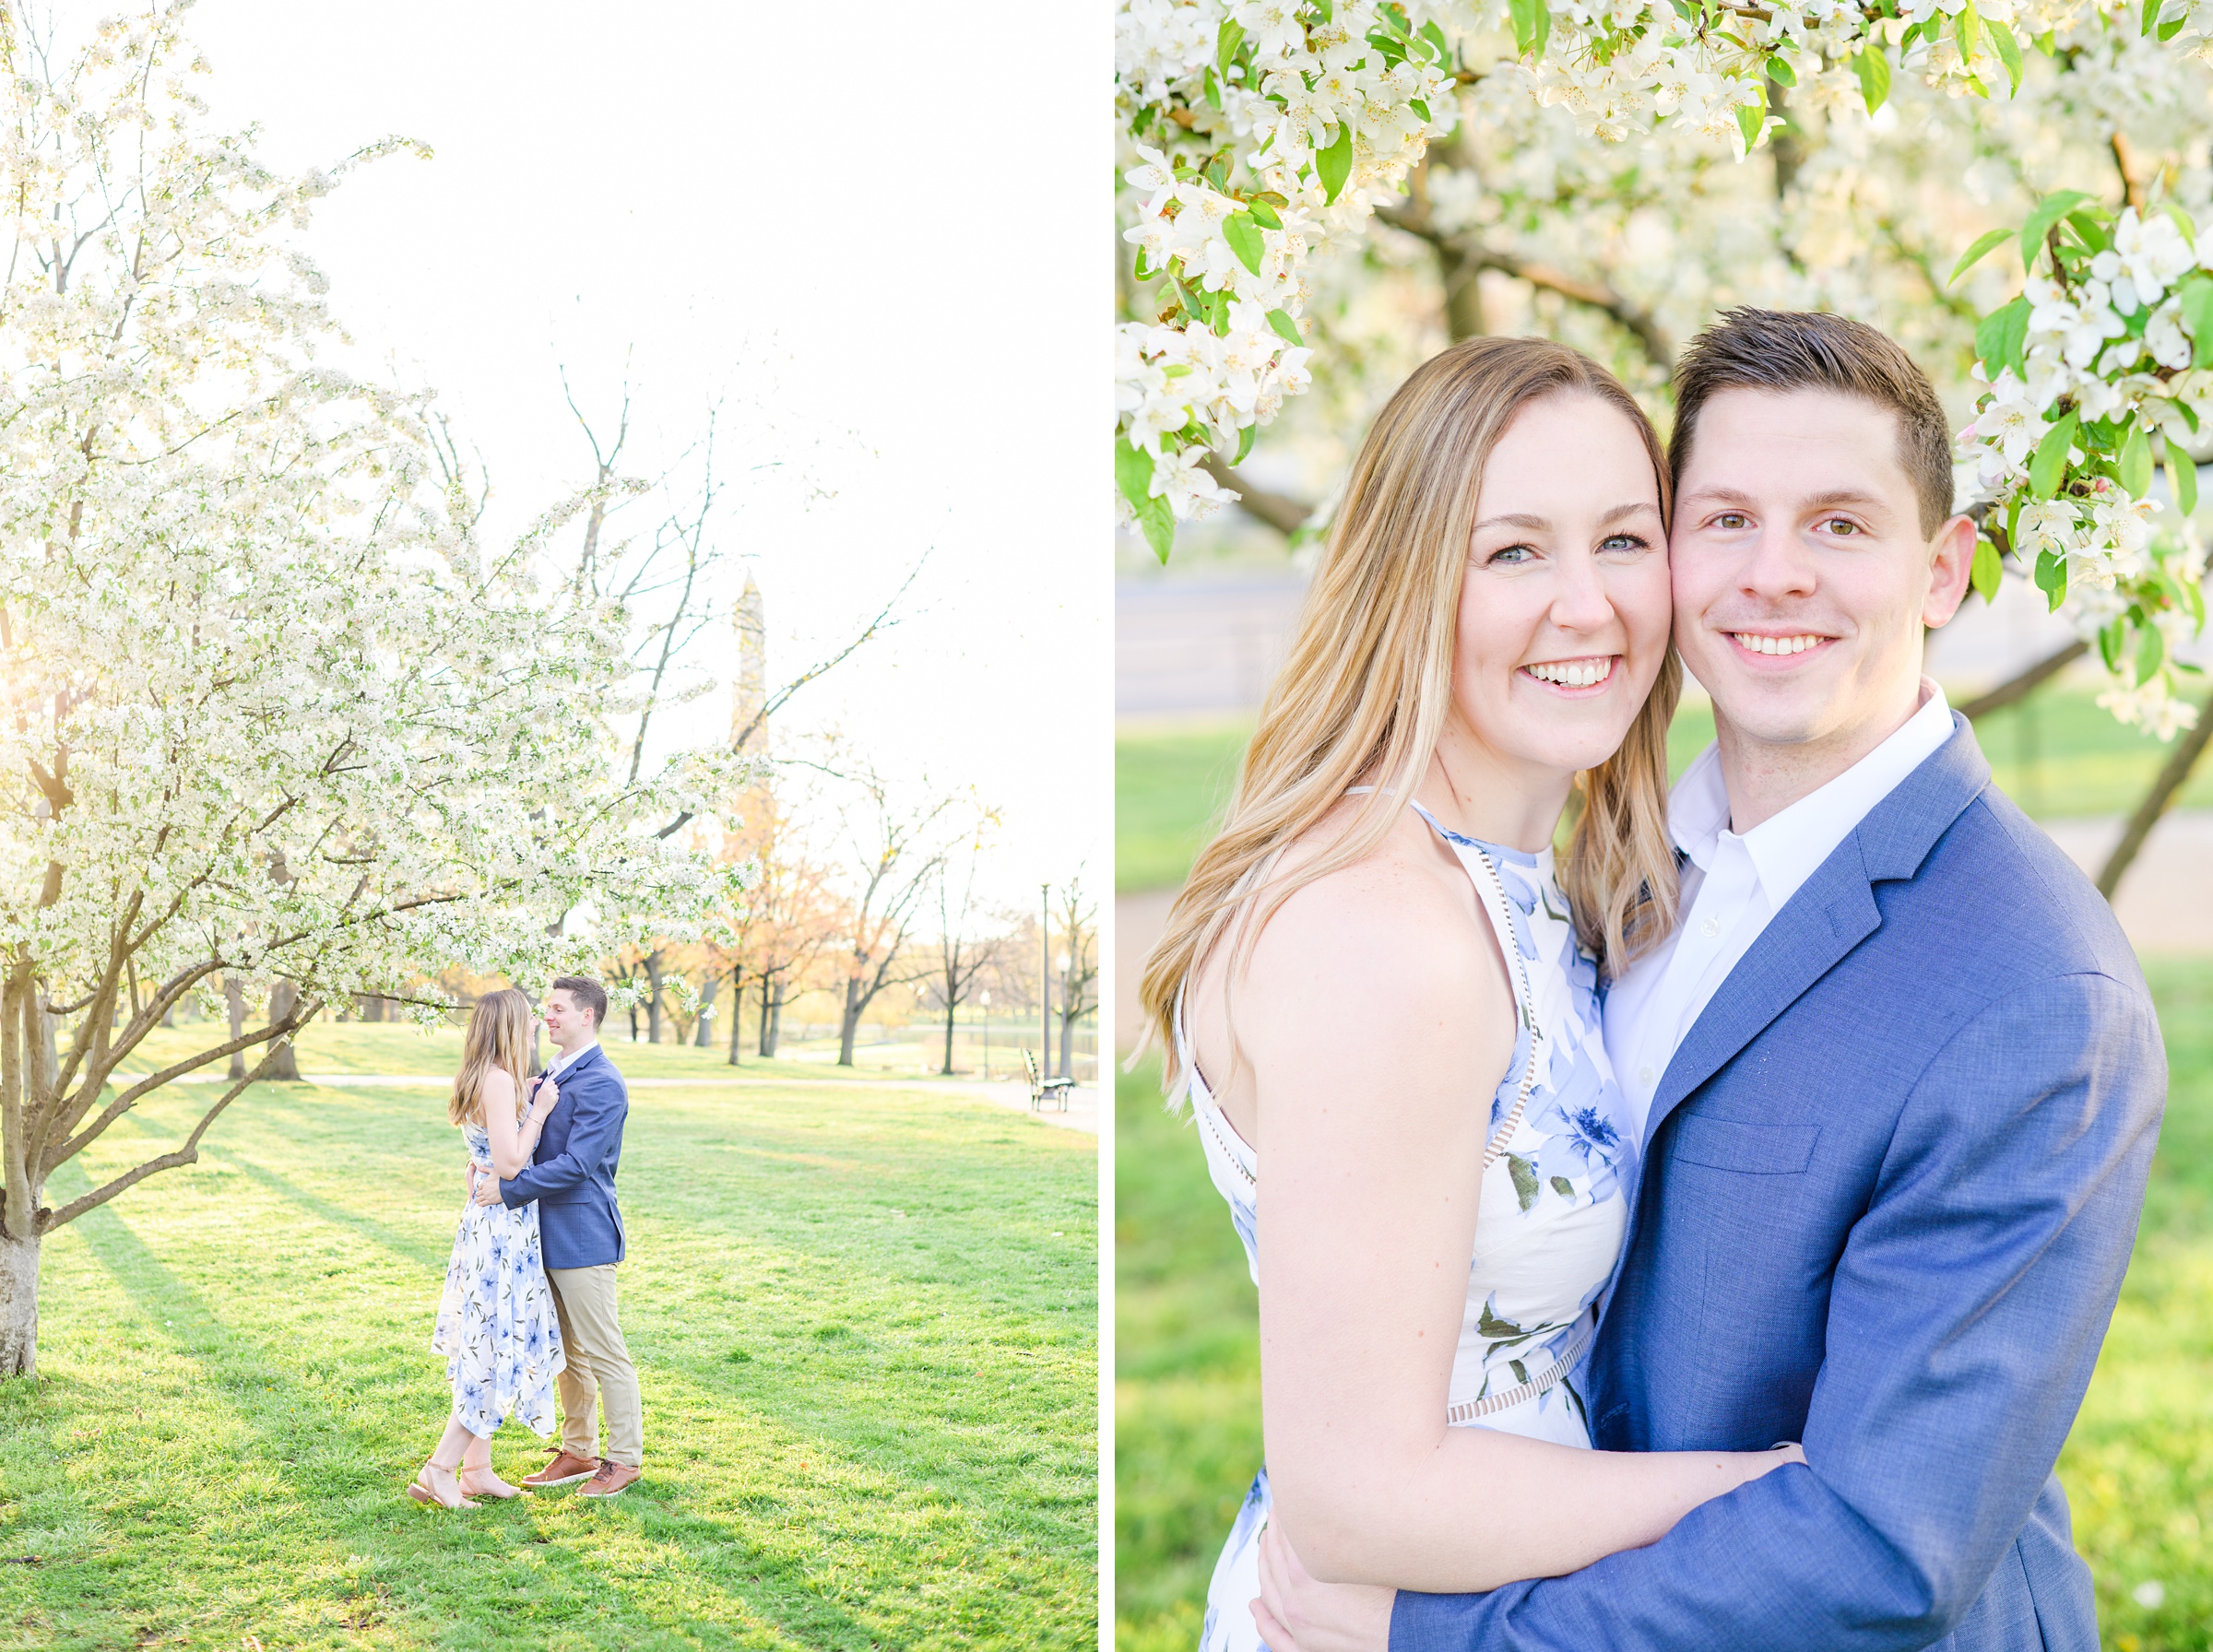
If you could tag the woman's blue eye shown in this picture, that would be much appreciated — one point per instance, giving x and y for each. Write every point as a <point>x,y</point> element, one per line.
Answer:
<point>1622,542</point>
<point>1517,553</point>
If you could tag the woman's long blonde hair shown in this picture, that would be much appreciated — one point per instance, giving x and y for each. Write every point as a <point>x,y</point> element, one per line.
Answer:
<point>498,1035</point>
<point>1364,693</point>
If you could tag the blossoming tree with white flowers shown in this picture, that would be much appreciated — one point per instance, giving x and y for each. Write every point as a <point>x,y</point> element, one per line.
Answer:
<point>269,710</point>
<point>1597,158</point>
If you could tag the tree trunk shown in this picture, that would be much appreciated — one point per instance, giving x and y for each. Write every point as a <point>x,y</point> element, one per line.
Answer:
<point>284,998</point>
<point>737,1011</point>
<point>950,1006</point>
<point>234,1001</point>
<point>703,1036</point>
<point>771,1023</point>
<point>2187,751</point>
<point>849,1022</point>
<point>19,1306</point>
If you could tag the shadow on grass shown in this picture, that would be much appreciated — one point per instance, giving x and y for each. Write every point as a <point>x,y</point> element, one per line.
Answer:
<point>369,1228</point>
<point>504,1557</point>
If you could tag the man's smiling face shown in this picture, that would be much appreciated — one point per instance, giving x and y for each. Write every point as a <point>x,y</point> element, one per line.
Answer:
<point>1803,576</point>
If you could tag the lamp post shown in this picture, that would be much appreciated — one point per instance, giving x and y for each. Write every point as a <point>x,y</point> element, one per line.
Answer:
<point>1045,979</point>
<point>984,998</point>
<point>1068,1066</point>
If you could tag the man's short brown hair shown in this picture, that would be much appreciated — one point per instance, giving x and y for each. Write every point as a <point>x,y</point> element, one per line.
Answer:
<point>1784,350</point>
<point>586,994</point>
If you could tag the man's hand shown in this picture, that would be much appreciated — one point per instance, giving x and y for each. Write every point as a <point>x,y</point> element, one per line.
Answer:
<point>488,1190</point>
<point>1298,1614</point>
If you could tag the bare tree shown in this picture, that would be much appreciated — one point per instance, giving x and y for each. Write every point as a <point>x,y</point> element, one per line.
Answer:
<point>963,955</point>
<point>898,852</point>
<point>1077,964</point>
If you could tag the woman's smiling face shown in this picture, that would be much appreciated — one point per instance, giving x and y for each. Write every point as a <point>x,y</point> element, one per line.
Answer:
<point>1565,608</point>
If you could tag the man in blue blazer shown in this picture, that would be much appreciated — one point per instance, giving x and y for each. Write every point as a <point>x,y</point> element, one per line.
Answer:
<point>572,1176</point>
<point>1901,1081</point>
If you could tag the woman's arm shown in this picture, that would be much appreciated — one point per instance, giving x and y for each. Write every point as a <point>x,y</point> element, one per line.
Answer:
<point>513,1139</point>
<point>1378,1021</point>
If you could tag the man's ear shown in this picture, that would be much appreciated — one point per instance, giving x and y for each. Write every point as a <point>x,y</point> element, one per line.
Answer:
<point>1951,560</point>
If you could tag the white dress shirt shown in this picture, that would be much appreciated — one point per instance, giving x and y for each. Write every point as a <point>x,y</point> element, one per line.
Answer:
<point>563,1059</point>
<point>1732,885</point>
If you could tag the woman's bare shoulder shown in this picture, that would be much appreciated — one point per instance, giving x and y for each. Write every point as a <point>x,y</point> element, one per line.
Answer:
<point>497,1085</point>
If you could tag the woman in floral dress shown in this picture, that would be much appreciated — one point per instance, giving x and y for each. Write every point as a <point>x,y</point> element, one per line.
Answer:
<point>497,1326</point>
<point>1380,984</point>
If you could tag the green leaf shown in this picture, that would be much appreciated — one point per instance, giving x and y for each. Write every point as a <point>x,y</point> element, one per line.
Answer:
<point>2049,211</point>
<point>1967,26</point>
<point>2134,466</point>
<point>2181,480</point>
<point>1781,72</point>
<point>1488,1323</point>
<point>1226,41</point>
<point>1133,475</point>
<point>1334,164</point>
<point>1988,570</point>
<point>2086,225</point>
<point>1435,37</point>
<point>2111,639</point>
<point>2051,577</point>
<point>1533,26</point>
<point>2151,654</point>
<point>1968,259</point>
<point>2182,220</point>
<point>1285,328</point>
<point>2008,51</point>
<point>2000,336</point>
<point>1245,438</point>
<point>1263,214</point>
<point>1418,107</point>
<point>2196,299</point>
<point>2151,16</point>
<point>2172,27</point>
<point>1752,120</point>
<point>2050,462</point>
<point>1214,89</point>
<point>1526,1179</point>
<point>1519,1369</point>
<point>1874,70</point>
<point>1244,237</point>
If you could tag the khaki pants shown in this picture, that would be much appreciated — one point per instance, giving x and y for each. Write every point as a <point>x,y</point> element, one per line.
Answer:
<point>598,1370</point>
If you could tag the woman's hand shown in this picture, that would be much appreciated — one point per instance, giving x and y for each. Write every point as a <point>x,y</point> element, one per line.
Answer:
<point>545,1101</point>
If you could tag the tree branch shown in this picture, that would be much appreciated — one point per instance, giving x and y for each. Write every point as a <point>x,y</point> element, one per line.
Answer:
<point>1279,511</point>
<point>2162,793</point>
<point>187,1154</point>
<point>2020,687</point>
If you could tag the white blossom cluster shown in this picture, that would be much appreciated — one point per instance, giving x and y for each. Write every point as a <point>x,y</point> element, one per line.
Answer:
<point>269,709</point>
<point>2063,443</point>
<point>1221,100</point>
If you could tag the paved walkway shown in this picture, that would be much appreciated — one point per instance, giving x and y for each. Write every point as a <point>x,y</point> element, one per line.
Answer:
<point>1082,1112</point>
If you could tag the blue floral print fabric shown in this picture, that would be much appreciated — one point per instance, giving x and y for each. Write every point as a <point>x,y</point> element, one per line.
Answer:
<point>497,1326</point>
<point>1548,1225</point>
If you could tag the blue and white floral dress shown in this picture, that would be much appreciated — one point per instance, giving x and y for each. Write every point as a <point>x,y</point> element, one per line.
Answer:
<point>1549,1222</point>
<point>497,1325</point>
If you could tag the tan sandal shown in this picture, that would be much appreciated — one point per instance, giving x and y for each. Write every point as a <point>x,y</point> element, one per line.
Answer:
<point>428,1494</point>
<point>469,1488</point>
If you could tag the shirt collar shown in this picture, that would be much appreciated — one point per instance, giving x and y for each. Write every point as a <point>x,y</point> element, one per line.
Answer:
<point>563,1059</point>
<point>1790,845</point>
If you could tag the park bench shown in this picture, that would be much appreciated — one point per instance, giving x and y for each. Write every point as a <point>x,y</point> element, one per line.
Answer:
<point>1044,1089</point>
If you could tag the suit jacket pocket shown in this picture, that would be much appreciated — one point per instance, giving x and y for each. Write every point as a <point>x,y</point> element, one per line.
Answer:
<point>1751,1150</point>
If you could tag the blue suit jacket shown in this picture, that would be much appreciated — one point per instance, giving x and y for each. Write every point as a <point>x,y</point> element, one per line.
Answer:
<point>572,1174</point>
<point>1891,1182</point>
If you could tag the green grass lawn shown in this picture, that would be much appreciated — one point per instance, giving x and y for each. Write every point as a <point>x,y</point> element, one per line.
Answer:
<point>865,1325</point>
<point>2139,1468</point>
<point>2056,754</point>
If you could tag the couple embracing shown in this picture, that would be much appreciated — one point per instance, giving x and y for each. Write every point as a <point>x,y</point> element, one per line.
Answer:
<point>1703,1240</point>
<point>529,1298</point>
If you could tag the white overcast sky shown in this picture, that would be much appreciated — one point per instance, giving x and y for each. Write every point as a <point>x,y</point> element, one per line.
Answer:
<point>841,220</point>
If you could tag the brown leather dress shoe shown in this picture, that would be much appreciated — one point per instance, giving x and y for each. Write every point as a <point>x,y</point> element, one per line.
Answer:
<point>563,1471</point>
<point>612,1480</point>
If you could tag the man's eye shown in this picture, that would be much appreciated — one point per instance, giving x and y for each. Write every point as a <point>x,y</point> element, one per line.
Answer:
<point>1842,525</point>
<point>1733,520</point>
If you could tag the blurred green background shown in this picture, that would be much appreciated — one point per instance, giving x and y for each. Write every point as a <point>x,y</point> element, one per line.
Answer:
<point>2139,1468</point>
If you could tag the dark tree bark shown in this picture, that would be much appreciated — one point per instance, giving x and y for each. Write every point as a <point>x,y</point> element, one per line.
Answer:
<point>2187,751</point>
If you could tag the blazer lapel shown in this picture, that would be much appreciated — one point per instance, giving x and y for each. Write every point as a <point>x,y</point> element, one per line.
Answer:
<point>1832,912</point>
